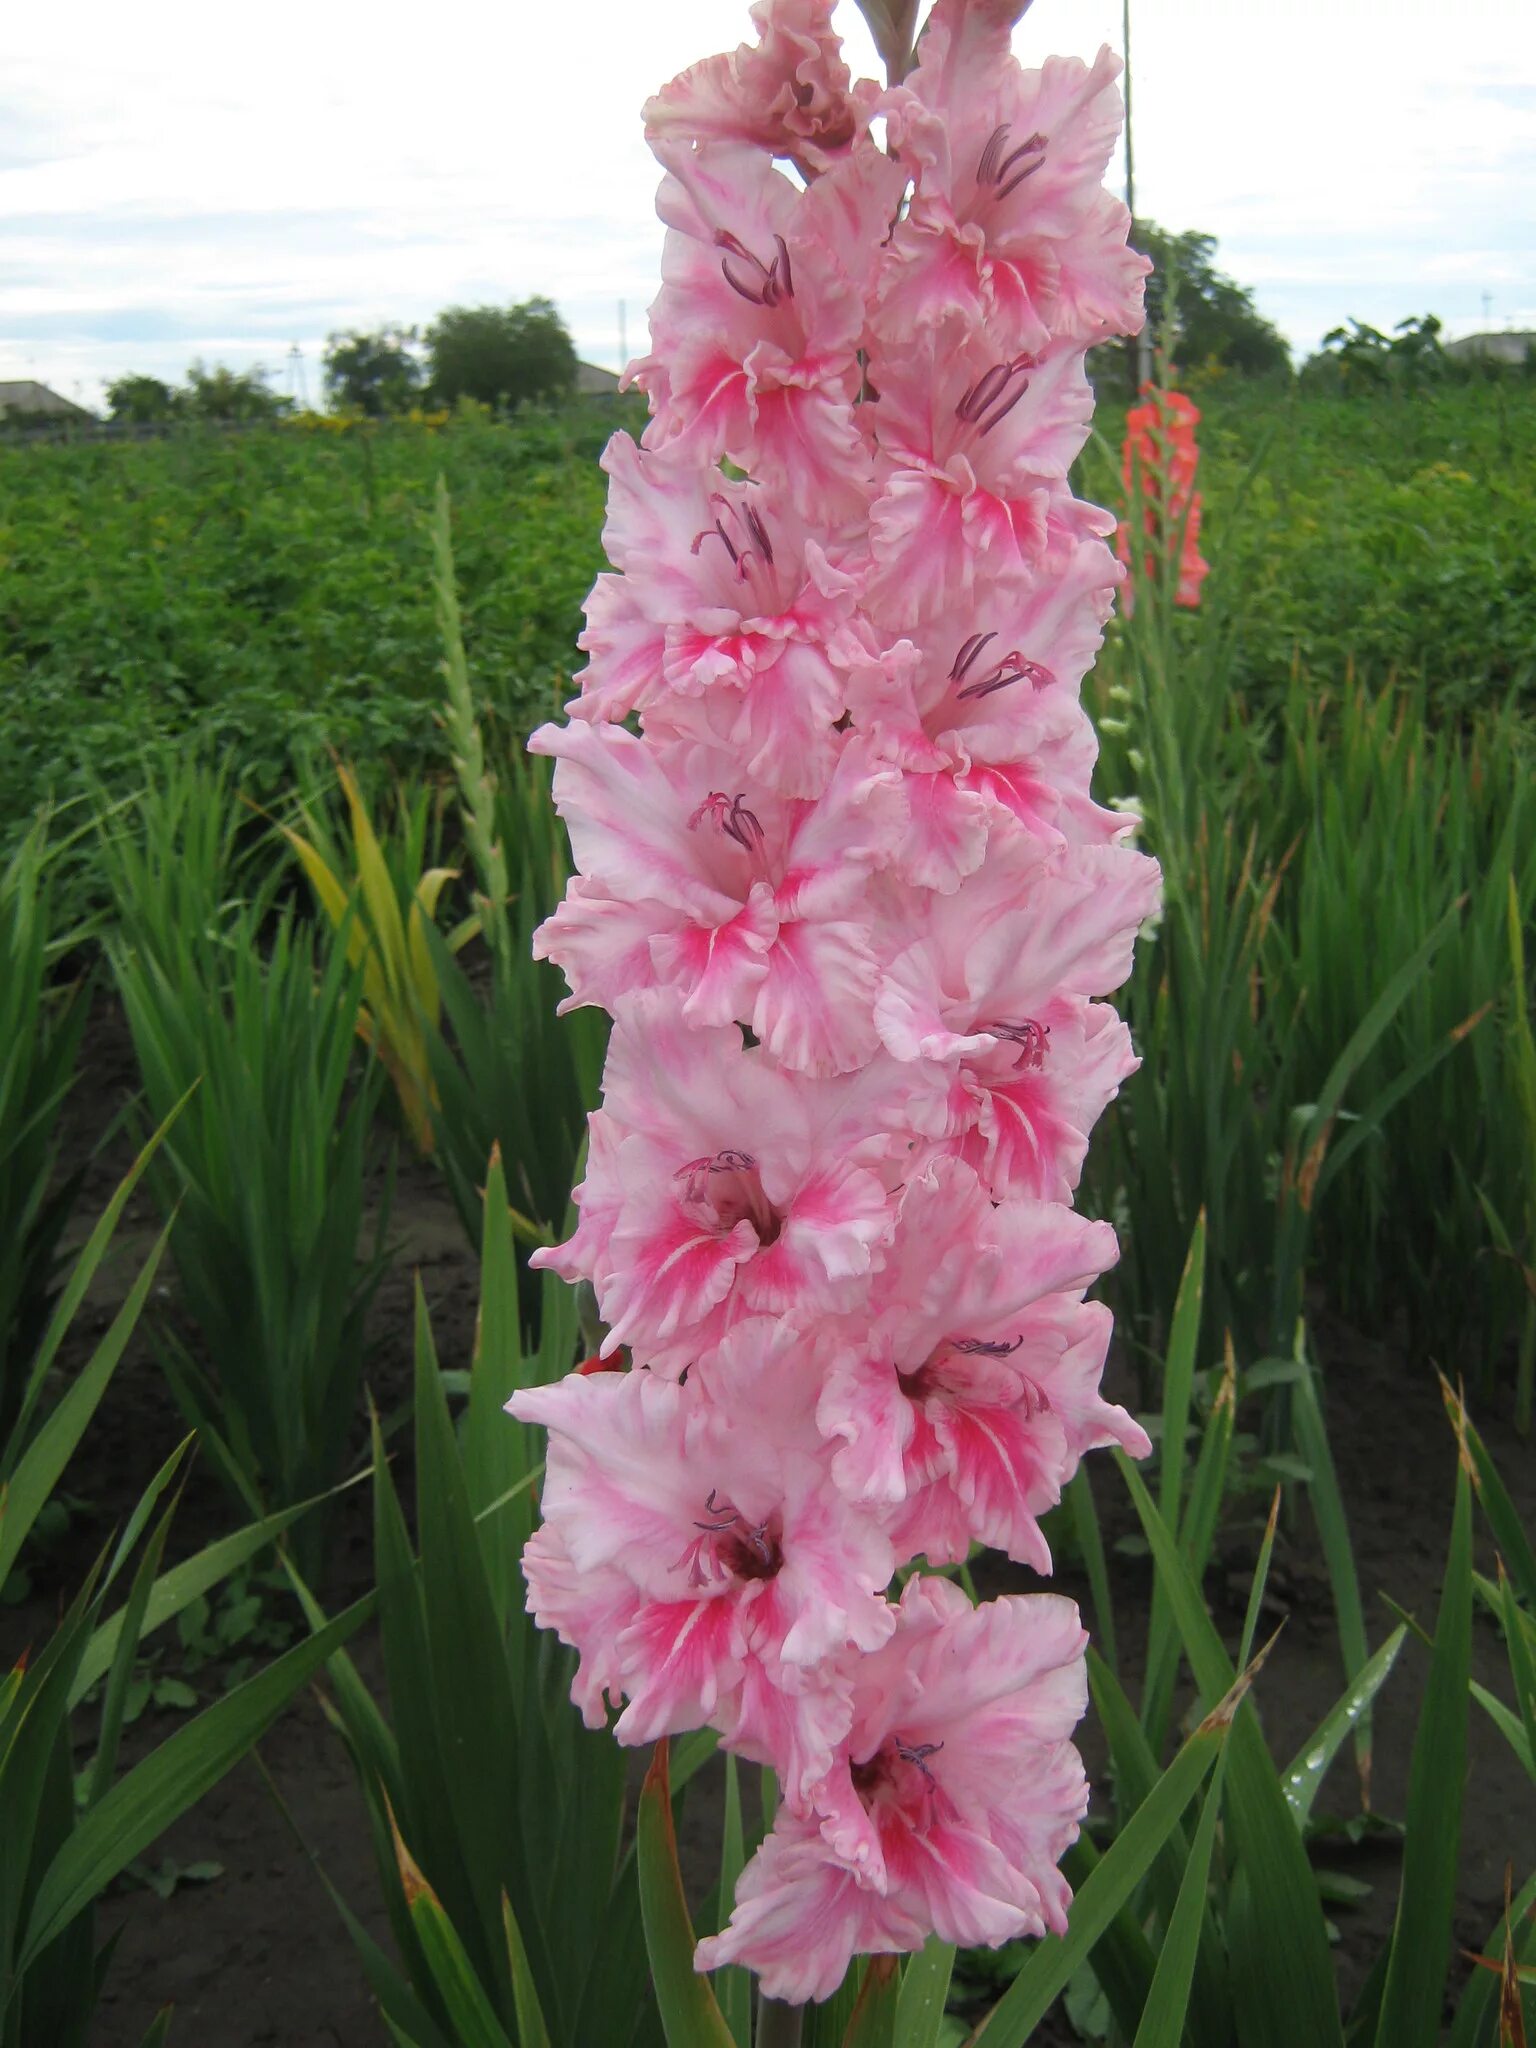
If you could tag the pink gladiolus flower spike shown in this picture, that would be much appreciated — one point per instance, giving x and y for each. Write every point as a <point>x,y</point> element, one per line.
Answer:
<point>844,886</point>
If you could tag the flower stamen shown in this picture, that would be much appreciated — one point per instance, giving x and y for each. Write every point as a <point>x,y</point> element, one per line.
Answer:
<point>995,393</point>
<point>766,284</point>
<point>1029,1036</point>
<point>994,168</point>
<point>1013,668</point>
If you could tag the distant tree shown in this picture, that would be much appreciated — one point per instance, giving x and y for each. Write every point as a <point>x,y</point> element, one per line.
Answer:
<point>223,394</point>
<point>1358,358</point>
<point>142,401</point>
<point>373,373</point>
<point>1217,319</point>
<point>501,355</point>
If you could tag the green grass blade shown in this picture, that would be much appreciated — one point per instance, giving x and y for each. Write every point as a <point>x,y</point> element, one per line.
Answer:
<point>1522,1664</point>
<point>82,1273</point>
<point>873,2023</point>
<point>33,1481</point>
<point>1179,1376</point>
<point>531,2029</point>
<point>1282,1974</point>
<point>470,2012</point>
<point>733,1985</point>
<point>144,1803</point>
<point>1164,2015</point>
<point>1472,2026</point>
<point>1090,1541</point>
<point>1499,1511</point>
<point>120,1675</point>
<point>1113,1882</point>
<point>1338,1553</point>
<point>1421,1937</point>
<point>188,1581</point>
<point>924,1995</point>
<point>1310,1765</point>
<point>690,2012</point>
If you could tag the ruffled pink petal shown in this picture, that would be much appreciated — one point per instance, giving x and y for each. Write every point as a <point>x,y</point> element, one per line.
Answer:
<point>789,93</point>
<point>814,1005</point>
<point>801,1917</point>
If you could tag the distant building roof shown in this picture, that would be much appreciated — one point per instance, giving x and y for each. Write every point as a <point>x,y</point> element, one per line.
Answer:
<point>28,396</point>
<point>1501,348</point>
<point>592,381</point>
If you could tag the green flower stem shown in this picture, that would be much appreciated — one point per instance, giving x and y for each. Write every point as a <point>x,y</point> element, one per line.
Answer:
<point>778,2025</point>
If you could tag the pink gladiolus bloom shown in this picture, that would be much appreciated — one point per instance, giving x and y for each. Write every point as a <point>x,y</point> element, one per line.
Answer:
<point>789,93</point>
<point>760,311</point>
<point>1009,224</point>
<point>954,1795</point>
<point>699,1573</point>
<point>844,886</point>
<point>742,900</point>
<point>969,1391</point>
<point>720,1186</point>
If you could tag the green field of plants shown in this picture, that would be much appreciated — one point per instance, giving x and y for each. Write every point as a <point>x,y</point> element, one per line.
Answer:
<point>269,589</point>
<point>285,1104</point>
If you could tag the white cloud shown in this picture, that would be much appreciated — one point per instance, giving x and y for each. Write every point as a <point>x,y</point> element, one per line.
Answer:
<point>178,181</point>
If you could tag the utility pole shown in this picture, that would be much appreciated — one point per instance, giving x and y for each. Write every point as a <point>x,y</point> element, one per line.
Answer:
<point>1139,346</point>
<point>623,341</point>
<point>298,384</point>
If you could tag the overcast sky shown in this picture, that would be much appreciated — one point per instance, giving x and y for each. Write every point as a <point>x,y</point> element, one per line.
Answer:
<point>179,181</point>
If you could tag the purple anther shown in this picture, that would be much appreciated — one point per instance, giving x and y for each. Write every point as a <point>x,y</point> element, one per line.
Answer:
<point>764,284</point>
<point>731,1161</point>
<point>918,1753</point>
<point>969,649</point>
<point>974,402</point>
<point>1029,1035</point>
<point>986,168</point>
<point>1008,179</point>
<point>781,271</point>
<point>1013,668</point>
<point>742,825</point>
<point>995,393</point>
<point>753,520</point>
<point>724,1515</point>
<point>985,1347</point>
<point>716,532</point>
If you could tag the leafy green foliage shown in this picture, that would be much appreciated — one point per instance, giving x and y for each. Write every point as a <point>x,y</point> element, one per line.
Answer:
<point>69,1835</point>
<point>501,355</point>
<point>270,593</point>
<point>264,1172</point>
<point>497,1817</point>
<point>41,1020</point>
<point>375,373</point>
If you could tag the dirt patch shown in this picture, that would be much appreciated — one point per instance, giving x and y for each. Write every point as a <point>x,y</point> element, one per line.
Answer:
<point>257,1955</point>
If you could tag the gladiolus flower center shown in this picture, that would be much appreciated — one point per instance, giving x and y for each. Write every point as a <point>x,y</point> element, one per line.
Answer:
<point>932,1379</point>
<point>898,1782</point>
<point>742,532</point>
<point>728,1546</point>
<point>1013,668</point>
<point>765,284</point>
<point>995,393</point>
<point>726,1190</point>
<point>1005,169</point>
<point>731,816</point>
<point>1031,1039</point>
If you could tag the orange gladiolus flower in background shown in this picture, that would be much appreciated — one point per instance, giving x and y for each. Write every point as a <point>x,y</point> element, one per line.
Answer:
<point>1160,458</point>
